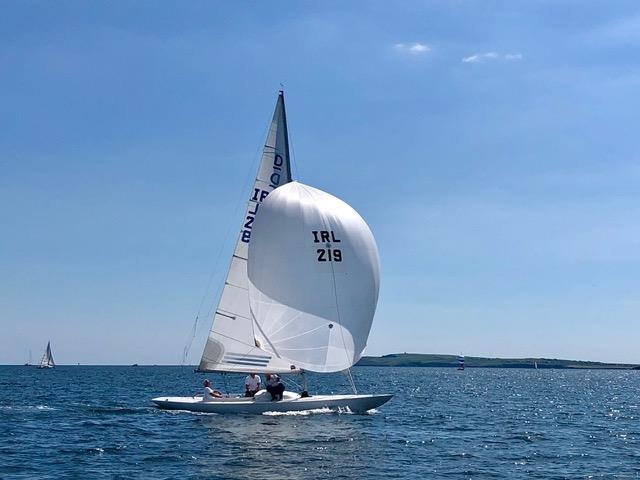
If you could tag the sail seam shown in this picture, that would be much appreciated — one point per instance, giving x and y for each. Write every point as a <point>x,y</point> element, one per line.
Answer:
<point>307,332</point>
<point>305,349</point>
<point>255,324</point>
<point>235,340</point>
<point>295,317</point>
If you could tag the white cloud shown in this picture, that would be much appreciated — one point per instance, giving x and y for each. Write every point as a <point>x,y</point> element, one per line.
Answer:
<point>412,48</point>
<point>471,59</point>
<point>513,56</point>
<point>483,57</point>
<point>418,48</point>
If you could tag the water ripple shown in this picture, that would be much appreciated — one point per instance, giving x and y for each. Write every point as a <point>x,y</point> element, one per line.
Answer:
<point>442,423</point>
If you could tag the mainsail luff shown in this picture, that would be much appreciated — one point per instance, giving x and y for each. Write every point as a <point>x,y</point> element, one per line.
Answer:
<point>232,345</point>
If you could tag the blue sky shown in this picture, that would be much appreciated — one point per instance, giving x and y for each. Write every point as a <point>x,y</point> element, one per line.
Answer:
<point>491,146</point>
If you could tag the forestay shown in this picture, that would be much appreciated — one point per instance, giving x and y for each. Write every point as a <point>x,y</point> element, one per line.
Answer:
<point>232,344</point>
<point>313,278</point>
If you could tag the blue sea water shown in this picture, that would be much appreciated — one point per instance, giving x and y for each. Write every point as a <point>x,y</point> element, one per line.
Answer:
<point>97,422</point>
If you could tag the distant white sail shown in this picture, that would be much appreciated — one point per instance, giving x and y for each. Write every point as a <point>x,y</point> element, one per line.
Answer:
<point>313,278</point>
<point>232,344</point>
<point>47,358</point>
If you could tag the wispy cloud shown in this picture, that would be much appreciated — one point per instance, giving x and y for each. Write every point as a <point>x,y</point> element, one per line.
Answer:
<point>412,48</point>
<point>625,31</point>
<point>512,56</point>
<point>491,56</point>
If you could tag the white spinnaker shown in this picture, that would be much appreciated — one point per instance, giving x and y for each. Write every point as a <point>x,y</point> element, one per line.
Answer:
<point>313,294</point>
<point>232,346</point>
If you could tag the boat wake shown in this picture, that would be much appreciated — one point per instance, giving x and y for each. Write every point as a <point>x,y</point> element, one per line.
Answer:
<point>115,410</point>
<point>175,412</point>
<point>26,408</point>
<point>298,413</point>
<point>314,411</point>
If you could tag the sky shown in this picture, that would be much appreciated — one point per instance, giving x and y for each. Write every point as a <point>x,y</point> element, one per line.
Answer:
<point>492,147</point>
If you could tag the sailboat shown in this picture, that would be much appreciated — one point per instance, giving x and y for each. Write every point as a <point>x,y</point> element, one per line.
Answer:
<point>28,364</point>
<point>300,293</point>
<point>47,358</point>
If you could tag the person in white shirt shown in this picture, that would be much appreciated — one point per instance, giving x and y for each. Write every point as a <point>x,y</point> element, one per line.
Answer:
<point>251,385</point>
<point>209,393</point>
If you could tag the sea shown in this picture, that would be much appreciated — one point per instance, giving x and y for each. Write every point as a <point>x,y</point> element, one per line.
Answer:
<point>77,422</point>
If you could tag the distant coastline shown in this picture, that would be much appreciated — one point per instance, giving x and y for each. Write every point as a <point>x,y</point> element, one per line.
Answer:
<point>434,360</point>
<point>429,360</point>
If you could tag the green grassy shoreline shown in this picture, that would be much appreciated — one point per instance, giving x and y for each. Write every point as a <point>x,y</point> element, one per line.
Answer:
<point>434,360</point>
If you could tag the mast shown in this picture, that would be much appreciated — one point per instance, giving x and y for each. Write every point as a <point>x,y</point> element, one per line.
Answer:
<point>285,129</point>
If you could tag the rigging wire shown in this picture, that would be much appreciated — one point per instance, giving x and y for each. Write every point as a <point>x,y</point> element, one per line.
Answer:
<point>223,247</point>
<point>351,381</point>
<point>293,155</point>
<point>327,226</point>
<point>224,382</point>
<point>241,201</point>
<point>335,293</point>
<point>295,383</point>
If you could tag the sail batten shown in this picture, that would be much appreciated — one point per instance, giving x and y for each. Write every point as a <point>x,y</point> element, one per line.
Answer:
<point>233,328</point>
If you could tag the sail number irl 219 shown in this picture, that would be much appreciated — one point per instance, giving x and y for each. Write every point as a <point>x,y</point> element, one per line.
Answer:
<point>327,254</point>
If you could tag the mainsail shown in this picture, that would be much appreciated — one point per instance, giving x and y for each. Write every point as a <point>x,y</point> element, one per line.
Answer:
<point>232,345</point>
<point>313,278</point>
<point>47,358</point>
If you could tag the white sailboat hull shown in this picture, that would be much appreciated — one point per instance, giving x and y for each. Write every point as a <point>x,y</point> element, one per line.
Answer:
<point>292,402</point>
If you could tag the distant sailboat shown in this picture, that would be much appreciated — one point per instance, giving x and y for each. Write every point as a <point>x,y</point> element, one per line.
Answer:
<point>47,358</point>
<point>460,362</point>
<point>300,293</point>
<point>28,364</point>
<point>535,365</point>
